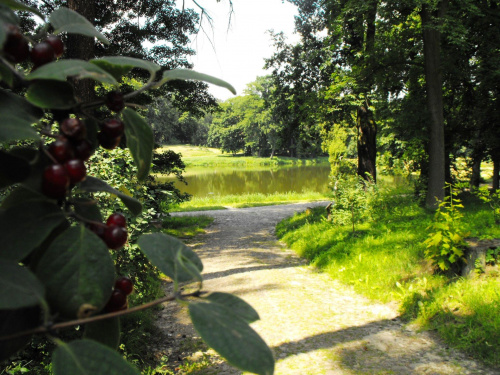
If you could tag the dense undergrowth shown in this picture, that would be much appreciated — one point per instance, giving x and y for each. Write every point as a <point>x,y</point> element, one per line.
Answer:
<point>384,260</point>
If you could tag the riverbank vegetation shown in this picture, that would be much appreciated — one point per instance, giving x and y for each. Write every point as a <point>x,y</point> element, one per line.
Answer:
<point>384,258</point>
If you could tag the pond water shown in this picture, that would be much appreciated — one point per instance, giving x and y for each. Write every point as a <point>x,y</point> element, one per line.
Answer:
<point>206,181</point>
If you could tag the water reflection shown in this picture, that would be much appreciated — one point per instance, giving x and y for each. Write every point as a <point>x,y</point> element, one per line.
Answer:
<point>226,181</point>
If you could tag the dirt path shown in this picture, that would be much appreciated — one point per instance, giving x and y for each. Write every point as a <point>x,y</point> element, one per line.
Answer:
<point>313,324</point>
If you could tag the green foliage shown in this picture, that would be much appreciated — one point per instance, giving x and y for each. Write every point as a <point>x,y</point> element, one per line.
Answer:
<point>445,245</point>
<point>386,262</point>
<point>171,126</point>
<point>54,234</point>
<point>246,123</point>
<point>352,197</point>
<point>492,198</point>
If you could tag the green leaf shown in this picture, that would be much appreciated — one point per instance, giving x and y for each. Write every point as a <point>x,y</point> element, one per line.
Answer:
<point>13,321</point>
<point>18,286</point>
<point>25,226</point>
<point>118,66</point>
<point>106,332</point>
<point>231,337</point>
<point>140,141</point>
<point>67,20</point>
<point>22,195</point>
<point>88,209</point>
<point>16,5</point>
<point>12,169</point>
<point>92,185</point>
<point>186,74</point>
<point>16,118</point>
<point>51,95</point>
<point>62,69</point>
<point>162,251</point>
<point>7,16</point>
<point>184,265</point>
<point>78,273</point>
<point>87,357</point>
<point>236,305</point>
<point>6,74</point>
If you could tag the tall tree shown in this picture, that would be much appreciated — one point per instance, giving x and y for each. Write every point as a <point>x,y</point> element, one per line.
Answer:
<point>431,20</point>
<point>155,30</point>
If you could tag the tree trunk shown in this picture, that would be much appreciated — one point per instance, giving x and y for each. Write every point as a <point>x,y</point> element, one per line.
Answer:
<point>434,87</point>
<point>496,171</point>
<point>82,47</point>
<point>476,173</point>
<point>367,144</point>
<point>366,126</point>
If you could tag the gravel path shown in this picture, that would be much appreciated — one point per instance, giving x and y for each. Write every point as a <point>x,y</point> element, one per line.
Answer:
<point>313,324</point>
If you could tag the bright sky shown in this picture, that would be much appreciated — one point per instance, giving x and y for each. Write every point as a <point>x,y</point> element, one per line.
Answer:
<point>239,53</point>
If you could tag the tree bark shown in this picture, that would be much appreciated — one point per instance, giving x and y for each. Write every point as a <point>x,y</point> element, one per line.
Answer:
<point>476,174</point>
<point>496,171</point>
<point>82,47</point>
<point>434,87</point>
<point>366,126</point>
<point>367,141</point>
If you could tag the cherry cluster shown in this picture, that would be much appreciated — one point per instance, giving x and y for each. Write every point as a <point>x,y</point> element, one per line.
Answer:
<point>112,129</point>
<point>118,300</point>
<point>114,232</point>
<point>71,147</point>
<point>16,48</point>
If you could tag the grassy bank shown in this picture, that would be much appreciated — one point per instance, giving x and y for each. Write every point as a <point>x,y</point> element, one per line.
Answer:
<point>218,202</point>
<point>384,260</point>
<point>195,156</point>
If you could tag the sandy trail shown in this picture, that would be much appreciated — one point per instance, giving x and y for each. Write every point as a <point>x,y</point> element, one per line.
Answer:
<point>313,324</point>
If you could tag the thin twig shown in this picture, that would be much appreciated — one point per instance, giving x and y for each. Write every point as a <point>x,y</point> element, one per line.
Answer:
<point>72,323</point>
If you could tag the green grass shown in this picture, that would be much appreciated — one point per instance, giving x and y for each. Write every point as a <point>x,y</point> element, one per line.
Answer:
<point>185,227</point>
<point>384,260</point>
<point>194,156</point>
<point>217,202</point>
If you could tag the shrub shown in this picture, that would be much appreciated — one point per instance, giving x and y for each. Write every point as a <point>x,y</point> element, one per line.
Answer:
<point>446,244</point>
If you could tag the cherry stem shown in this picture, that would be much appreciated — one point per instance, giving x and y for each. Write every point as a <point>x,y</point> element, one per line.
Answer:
<point>46,152</point>
<point>72,323</point>
<point>85,220</point>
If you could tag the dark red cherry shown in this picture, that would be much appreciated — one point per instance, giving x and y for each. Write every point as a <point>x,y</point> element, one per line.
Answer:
<point>55,181</point>
<point>113,128</point>
<point>114,101</point>
<point>115,237</point>
<point>61,149</point>
<point>42,53</point>
<point>98,229</point>
<point>117,219</point>
<point>76,170</point>
<point>117,301</point>
<point>106,142</point>
<point>124,284</point>
<point>83,149</point>
<point>16,48</point>
<point>57,44</point>
<point>73,128</point>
